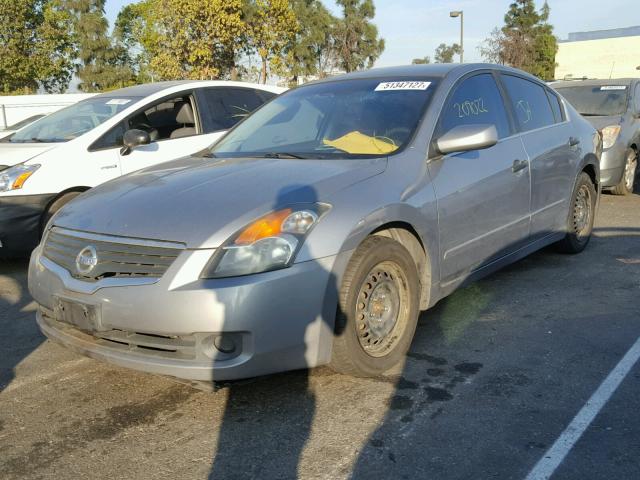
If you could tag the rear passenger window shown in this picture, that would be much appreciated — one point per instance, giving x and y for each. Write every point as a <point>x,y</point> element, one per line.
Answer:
<point>476,101</point>
<point>529,102</point>
<point>227,106</point>
<point>556,107</point>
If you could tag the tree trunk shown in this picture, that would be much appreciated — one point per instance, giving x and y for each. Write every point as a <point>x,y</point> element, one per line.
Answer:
<point>263,74</point>
<point>234,73</point>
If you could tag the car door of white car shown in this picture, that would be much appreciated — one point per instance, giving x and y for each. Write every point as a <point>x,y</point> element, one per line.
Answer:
<point>483,195</point>
<point>175,128</point>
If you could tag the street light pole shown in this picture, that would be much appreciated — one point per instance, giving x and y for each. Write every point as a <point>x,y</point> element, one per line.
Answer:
<point>460,13</point>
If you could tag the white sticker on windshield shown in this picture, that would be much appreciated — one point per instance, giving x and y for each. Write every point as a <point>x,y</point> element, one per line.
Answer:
<point>402,86</point>
<point>118,101</point>
<point>613,87</point>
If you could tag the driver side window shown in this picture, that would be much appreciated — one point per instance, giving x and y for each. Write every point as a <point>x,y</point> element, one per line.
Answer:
<point>169,118</point>
<point>475,101</point>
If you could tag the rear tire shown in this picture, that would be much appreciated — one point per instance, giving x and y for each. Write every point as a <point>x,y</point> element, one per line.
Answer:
<point>581,216</point>
<point>54,207</point>
<point>379,308</point>
<point>625,187</point>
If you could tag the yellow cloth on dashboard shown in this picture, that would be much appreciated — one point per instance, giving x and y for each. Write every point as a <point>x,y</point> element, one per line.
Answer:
<point>356,142</point>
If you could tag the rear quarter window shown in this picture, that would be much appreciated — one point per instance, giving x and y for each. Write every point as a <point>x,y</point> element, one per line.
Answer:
<point>529,103</point>
<point>556,106</point>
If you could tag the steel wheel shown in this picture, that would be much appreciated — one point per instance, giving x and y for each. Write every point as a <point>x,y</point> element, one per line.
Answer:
<point>630,171</point>
<point>582,212</point>
<point>381,310</point>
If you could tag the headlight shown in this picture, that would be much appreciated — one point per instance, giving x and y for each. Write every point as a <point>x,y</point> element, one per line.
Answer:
<point>13,178</point>
<point>609,135</point>
<point>269,243</point>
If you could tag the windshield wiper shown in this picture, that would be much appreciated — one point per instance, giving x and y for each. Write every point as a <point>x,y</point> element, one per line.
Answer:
<point>281,155</point>
<point>204,154</point>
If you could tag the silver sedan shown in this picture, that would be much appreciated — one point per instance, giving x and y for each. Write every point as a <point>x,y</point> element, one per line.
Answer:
<point>317,230</point>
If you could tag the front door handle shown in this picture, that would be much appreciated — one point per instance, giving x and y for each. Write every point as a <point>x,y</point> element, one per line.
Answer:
<point>573,141</point>
<point>519,165</point>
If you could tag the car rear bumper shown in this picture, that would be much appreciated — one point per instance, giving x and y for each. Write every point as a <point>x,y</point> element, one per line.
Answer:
<point>20,223</point>
<point>267,323</point>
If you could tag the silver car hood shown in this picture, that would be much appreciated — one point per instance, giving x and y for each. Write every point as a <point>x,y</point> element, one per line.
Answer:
<point>202,202</point>
<point>600,122</point>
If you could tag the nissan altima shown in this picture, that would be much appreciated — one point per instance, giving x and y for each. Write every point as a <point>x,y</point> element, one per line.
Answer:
<point>318,228</point>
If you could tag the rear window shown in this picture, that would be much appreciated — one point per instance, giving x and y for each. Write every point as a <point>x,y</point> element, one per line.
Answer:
<point>529,102</point>
<point>595,100</point>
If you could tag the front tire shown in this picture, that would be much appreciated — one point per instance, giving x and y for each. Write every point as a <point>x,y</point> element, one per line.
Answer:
<point>581,216</point>
<point>625,187</point>
<point>379,308</point>
<point>54,207</point>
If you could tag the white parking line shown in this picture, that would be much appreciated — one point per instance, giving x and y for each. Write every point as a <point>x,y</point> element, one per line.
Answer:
<point>563,445</point>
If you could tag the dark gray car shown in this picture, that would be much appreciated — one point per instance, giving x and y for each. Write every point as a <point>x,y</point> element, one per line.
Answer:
<point>613,107</point>
<point>318,228</point>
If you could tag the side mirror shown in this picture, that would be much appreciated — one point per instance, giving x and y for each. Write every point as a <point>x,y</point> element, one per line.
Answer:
<point>467,137</point>
<point>132,139</point>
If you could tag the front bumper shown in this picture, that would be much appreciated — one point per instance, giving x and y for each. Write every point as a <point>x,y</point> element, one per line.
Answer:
<point>20,218</point>
<point>612,165</point>
<point>277,321</point>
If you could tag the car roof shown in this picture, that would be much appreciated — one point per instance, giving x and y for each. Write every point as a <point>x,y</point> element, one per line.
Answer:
<point>437,70</point>
<point>146,89</point>
<point>593,82</point>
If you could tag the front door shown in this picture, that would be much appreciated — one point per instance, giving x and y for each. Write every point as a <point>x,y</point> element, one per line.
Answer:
<point>483,195</point>
<point>175,130</point>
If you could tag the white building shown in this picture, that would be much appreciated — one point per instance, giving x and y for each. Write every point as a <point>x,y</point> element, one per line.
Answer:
<point>600,54</point>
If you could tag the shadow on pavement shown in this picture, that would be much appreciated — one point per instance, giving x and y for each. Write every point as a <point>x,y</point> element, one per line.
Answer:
<point>281,407</point>
<point>19,333</point>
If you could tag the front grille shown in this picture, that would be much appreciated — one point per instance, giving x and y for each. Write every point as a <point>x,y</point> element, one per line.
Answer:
<point>116,256</point>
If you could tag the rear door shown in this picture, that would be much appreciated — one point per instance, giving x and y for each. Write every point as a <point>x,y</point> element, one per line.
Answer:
<point>483,195</point>
<point>553,149</point>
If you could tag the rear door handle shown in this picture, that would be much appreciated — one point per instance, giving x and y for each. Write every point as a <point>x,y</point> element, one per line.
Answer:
<point>573,141</point>
<point>519,165</point>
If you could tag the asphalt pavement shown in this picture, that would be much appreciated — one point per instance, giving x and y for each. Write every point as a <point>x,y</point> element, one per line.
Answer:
<point>496,373</point>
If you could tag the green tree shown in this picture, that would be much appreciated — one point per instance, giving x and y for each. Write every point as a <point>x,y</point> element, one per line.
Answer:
<point>195,44</point>
<point>357,42</point>
<point>444,53</point>
<point>37,50</point>
<point>272,31</point>
<point>526,40</point>
<point>101,65</point>
<point>312,51</point>
<point>421,61</point>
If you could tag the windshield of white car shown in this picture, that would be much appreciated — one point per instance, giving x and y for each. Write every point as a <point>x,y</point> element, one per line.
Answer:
<point>342,119</point>
<point>72,121</point>
<point>597,100</point>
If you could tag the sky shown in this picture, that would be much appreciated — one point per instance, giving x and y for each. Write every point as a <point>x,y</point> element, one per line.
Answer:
<point>414,28</point>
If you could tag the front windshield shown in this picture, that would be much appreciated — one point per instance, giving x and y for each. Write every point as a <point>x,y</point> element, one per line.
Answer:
<point>595,100</point>
<point>72,121</point>
<point>342,119</point>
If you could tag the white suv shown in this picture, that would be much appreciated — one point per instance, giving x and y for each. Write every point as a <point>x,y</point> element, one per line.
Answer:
<point>49,162</point>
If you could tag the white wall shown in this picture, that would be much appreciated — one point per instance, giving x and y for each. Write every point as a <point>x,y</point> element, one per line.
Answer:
<point>14,108</point>
<point>604,58</point>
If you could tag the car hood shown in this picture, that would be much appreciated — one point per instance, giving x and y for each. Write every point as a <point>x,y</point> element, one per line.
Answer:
<point>14,153</point>
<point>604,121</point>
<point>202,202</point>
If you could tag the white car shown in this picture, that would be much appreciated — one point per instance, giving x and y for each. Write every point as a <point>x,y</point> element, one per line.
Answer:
<point>48,163</point>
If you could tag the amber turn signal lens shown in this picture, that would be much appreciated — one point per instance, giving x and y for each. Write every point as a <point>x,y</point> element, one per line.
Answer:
<point>267,226</point>
<point>21,179</point>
